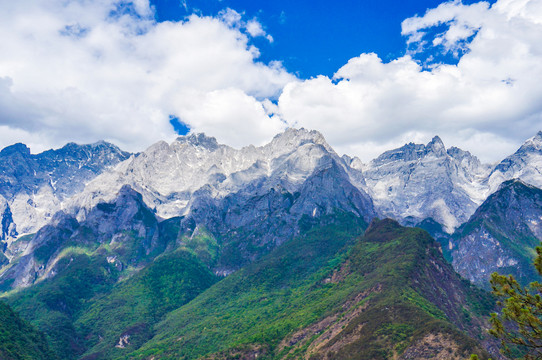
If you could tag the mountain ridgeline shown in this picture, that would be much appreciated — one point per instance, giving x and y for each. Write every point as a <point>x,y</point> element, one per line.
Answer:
<point>33,187</point>
<point>196,250</point>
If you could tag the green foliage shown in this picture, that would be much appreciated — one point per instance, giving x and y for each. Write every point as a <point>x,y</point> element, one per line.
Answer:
<point>19,340</point>
<point>203,245</point>
<point>519,327</point>
<point>85,308</point>
<point>174,307</point>
<point>52,305</point>
<point>265,301</point>
<point>134,305</point>
<point>102,289</point>
<point>327,275</point>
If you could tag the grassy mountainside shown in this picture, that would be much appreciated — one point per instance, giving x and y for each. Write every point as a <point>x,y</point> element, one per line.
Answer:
<point>87,307</point>
<point>123,319</point>
<point>19,340</point>
<point>332,294</point>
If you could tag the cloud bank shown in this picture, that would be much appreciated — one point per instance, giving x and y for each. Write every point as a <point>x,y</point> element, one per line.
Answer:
<point>81,70</point>
<point>90,70</point>
<point>489,102</point>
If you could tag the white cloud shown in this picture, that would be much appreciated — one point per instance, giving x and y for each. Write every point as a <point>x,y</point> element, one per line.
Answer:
<point>254,28</point>
<point>235,20</point>
<point>89,70</point>
<point>212,112</point>
<point>490,102</point>
<point>74,70</point>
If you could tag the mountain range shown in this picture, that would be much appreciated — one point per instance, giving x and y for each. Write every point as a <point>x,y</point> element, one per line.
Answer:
<point>272,251</point>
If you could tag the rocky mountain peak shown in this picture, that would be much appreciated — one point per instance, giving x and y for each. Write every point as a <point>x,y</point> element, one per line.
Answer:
<point>533,144</point>
<point>524,164</point>
<point>126,191</point>
<point>460,154</point>
<point>501,235</point>
<point>14,149</point>
<point>199,140</point>
<point>510,184</point>
<point>407,152</point>
<point>293,138</point>
<point>436,146</point>
<point>450,181</point>
<point>35,185</point>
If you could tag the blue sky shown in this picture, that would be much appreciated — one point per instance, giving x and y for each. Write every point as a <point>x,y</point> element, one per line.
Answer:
<point>369,75</point>
<point>315,37</point>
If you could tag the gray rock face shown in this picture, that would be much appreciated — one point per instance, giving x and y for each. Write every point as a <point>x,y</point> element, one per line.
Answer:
<point>7,226</point>
<point>258,218</point>
<point>177,179</point>
<point>427,181</point>
<point>34,186</point>
<point>252,199</point>
<point>167,175</point>
<point>32,263</point>
<point>126,226</point>
<point>501,235</point>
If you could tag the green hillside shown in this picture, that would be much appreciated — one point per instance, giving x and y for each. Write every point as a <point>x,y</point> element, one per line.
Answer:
<point>88,307</point>
<point>19,340</point>
<point>332,294</point>
<point>335,291</point>
<point>131,308</point>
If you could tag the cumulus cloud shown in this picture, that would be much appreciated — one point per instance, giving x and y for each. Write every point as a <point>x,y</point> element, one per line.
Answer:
<point>89,70</point>
<point>489,102</point>
<point>75,70</point>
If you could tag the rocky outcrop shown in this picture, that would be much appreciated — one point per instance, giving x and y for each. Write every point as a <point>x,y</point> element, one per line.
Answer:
<point>255,220</point>
<point>253,198</point>
<point>8,229</point>
<point>126,226</point>
<point>501,235</point>
<point>170,176</point>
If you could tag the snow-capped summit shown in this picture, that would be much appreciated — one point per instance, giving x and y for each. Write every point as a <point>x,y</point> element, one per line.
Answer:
<point>292,138</point>
<point>199,139</point>
<point>411,183</point>
<point>167,175</point>
<point>35,185</point>
<point>418,181</point>
<point>524,164</point>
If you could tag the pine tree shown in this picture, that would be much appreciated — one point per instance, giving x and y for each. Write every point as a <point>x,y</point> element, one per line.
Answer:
<point>519,325</point>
